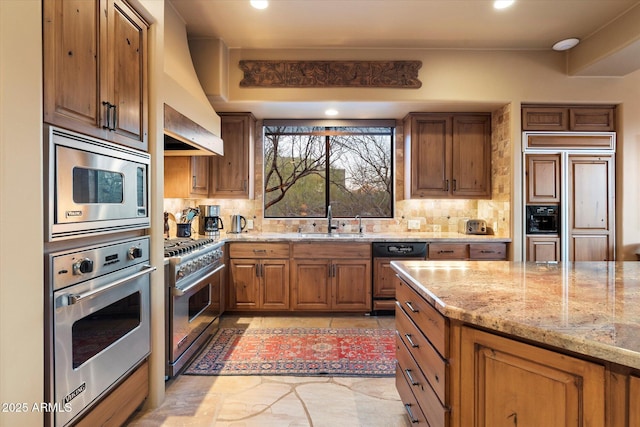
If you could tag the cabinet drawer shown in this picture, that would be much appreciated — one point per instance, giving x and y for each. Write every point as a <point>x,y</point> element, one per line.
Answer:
<point>448,251</point>
<point>428,320</point>
<point>430,362</point>
<point>422,391</point>
<point>415,414</point>
<point>488,251</point>
<point>332,250</point>
<point>258,250</point>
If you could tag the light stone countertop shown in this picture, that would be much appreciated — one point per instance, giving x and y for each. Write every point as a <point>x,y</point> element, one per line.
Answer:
<point>366,237</point>
<point>590,308</point>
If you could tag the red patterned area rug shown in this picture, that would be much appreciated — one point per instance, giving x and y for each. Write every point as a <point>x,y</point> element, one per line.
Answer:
<point>298,352</point>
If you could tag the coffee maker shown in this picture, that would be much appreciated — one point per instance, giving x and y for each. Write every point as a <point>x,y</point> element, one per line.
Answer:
<point>210,222</point>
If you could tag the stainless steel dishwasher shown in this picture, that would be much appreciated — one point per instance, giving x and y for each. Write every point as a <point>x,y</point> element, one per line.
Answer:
<point>384,278</point>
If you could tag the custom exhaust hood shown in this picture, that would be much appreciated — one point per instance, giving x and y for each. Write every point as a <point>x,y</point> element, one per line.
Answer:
<point>191,126</point>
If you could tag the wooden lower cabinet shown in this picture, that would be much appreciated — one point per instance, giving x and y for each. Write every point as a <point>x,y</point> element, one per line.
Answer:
<point>331,277</point>
<point>335,285</point>
<point>259,276</point>
<point>121,403</point>
<point>634,401</point>
<point>385,282</point>
<point>511,383</point>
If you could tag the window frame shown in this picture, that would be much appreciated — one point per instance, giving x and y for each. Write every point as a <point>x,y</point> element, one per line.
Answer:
<point>329,123</point>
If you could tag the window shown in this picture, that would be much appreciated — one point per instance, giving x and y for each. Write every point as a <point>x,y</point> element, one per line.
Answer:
<point>310,165</point>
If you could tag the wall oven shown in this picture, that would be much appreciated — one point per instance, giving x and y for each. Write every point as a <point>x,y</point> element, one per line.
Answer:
<point>194,297</point>
<point>93,186</point>
<point>543,219</point>
<point>100,309</point>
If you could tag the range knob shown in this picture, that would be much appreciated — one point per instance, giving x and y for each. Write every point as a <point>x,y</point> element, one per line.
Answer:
<point>82,266</point>
<point>179,274</point>
<point>134,253</point>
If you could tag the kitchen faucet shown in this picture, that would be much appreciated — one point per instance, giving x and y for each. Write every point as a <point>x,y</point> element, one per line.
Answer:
<point>330,226</point>
<point>359,218</point>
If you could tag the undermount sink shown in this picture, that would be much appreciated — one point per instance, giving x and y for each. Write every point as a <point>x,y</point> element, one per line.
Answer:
<point>330,235</point>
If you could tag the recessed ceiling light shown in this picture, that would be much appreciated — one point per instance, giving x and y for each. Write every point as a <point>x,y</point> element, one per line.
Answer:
<point>259,4</point>
<point>566,44</point>
<point>331,112</point>
<point>502,4</point>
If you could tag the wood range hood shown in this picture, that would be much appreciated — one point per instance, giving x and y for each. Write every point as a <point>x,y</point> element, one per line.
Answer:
<point>191,125</point>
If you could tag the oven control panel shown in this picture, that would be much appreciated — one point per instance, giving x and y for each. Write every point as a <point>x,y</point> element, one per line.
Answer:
<point>199,263</point>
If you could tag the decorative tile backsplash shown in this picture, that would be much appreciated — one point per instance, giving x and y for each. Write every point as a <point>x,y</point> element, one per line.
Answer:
<point>433,215</point>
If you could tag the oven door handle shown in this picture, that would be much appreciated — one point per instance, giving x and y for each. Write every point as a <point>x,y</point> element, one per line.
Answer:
<point>76,298</point>
<point>180,292</point>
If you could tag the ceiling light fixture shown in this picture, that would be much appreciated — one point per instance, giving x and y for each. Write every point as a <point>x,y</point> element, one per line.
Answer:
<point>331,112</point>
<point>259,4</point>
<point>502,4</point>
<point>566,44</point>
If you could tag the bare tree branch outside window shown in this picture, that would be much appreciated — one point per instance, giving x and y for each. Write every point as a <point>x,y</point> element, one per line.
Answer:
<point>358,178</point>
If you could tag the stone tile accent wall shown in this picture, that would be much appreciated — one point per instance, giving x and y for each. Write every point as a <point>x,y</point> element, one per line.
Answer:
<point>434,215</point>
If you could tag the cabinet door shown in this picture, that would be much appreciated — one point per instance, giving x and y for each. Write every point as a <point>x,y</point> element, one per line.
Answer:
<point>351,285</point>
<point>127,73</point>
<point>274,286</point>
<point>471,169</point>
<point>232,174</point>
<point>186,177</point>
<point>200,175</point>
<point>72,81</point>
<point>591,208</point>
<point>634,401</point>
<point>243,284</point>
<point>311,284</point>
<point>386,279</point>
<point>543,178</point>
<point>543,249</point>
<point>545,118</point>
<point>508,383</point>
<point>591,119</point>
<point>430,156</point>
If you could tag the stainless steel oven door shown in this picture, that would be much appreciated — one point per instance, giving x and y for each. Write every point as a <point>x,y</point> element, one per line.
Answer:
<point>193,310</point>
<point>101,332</point>
<point>94,186</point>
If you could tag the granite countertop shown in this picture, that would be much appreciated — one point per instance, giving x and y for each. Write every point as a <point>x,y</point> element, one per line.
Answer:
<point>591,308</point>
<point>366,237</point>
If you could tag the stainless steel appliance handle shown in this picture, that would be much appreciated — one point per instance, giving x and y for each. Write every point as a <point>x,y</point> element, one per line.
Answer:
<point>76,298</point>
<point>180,292</point>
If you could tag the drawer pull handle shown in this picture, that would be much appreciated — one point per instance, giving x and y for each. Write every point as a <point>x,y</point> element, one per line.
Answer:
<point>487,252</point>
<point>411,379</point>
<point>437,379</point>
<point>408,304</point>
<point>260,251</point>
<point>407,407</point>
<point>408,337</point>
<point>448,251</point>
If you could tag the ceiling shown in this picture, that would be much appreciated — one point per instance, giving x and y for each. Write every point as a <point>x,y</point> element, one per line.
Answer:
<point>402,24</point>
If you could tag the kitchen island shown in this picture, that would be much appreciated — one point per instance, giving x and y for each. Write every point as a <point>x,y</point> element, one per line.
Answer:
<point>492,343</point>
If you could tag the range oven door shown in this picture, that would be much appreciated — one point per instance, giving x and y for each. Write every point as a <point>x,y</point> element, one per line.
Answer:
<point>101,332</point>
<point>193,310</point>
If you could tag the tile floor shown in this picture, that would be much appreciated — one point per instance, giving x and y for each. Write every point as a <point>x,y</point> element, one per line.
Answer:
<point>272,401</point>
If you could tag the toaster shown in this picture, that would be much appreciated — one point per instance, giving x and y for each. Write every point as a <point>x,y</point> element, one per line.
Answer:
<point>473,226</point>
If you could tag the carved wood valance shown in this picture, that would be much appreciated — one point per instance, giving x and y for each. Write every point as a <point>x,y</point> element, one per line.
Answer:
<point>313,74</point>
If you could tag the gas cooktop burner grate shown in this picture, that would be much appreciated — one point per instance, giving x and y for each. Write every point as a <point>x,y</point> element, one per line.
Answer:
<point>174,247</point>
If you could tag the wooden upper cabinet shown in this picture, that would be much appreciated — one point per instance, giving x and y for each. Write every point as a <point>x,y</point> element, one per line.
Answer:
<point>232,174</point>
<point>186,176</point>
<point>568,118</point>
<point>447,156</point>
<point>95,69</point>
<point>471,171</point>
<point>543,178</point>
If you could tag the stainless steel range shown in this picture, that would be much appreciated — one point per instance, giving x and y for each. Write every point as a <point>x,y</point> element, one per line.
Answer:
<point>194,297</point>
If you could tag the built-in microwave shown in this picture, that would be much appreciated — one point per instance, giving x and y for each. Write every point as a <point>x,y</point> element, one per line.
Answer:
<point>542,219</point>
<point>93,186</point>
